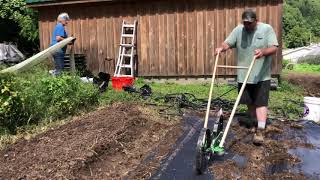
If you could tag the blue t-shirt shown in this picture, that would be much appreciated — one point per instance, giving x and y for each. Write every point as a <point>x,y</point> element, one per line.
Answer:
<point>58,31</point>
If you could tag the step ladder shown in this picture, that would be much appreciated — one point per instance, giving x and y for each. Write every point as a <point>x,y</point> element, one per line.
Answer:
<point>125,63</point>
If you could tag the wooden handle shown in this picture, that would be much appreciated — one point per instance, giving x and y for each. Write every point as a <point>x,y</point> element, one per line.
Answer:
<point>237,102</point>
<point>210,92</point>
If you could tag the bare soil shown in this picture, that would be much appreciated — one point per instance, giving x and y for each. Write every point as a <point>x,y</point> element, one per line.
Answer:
<point>113,142</point>
<point>310,82</point>
<point>268,161</point>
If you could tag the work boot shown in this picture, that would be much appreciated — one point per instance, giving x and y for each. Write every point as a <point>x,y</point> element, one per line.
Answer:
<point>258,137</point>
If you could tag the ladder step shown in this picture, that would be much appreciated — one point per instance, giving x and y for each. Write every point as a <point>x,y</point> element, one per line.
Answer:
<point>128,25</point>
<point>126,55</point>
<point>127,45</point>
<point>126,66</point>
<point>127,35</point>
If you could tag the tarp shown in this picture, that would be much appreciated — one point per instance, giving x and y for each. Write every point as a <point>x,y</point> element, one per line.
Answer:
<point>10,54</point>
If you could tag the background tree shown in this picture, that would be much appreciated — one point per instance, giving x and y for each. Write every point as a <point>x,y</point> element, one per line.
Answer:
<point>301,22</point>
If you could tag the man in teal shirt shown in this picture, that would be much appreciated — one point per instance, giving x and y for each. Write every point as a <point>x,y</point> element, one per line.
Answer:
<point>253,38</point>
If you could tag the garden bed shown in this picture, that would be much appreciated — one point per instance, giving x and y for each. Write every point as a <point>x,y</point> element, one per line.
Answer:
<point>108,143</point>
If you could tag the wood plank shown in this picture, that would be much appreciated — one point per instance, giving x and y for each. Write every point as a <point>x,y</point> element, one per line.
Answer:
<point>156,40</point>
<point>176,45</point>
<point>199,40</point>
<point>144,34</point>
<point>84,39</point>
<point>191,46</point>
<point>171,41</point>
<point>181,39</point>
<point>117,25</point>
<point>210,38</point>
<point>101,37</point>
<point>272,21</point>
<point>231,24</point>
<point>221,35</point>
<point>152,41</point>
<point>47,31</point>
<point>185,39</point>
<point>109,46</point>
<point>206,48</point>
<point>162,39</point>
<point>138,40</point>
<point>93,39</point>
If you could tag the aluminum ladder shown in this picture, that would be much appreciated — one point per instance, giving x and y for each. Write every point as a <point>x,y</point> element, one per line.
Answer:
<point>125,63</point>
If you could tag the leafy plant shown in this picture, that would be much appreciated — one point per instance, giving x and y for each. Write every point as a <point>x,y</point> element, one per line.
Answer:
<point>33,98</point>
<point>17,11</point>
<point>12,103</point>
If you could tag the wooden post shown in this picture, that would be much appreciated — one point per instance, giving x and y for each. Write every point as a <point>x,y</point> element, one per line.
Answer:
<point>72,62</point>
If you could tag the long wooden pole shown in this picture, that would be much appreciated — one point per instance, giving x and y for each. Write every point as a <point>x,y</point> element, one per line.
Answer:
<point>210,92</point>
<point>237,102</point>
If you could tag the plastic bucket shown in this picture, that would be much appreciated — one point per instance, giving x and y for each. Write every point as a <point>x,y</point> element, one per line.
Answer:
<point>311,109</point>
<point>119,82</point>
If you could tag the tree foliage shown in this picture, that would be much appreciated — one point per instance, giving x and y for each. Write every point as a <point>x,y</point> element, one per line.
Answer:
<point>16,12</point>
<point>301,22</point>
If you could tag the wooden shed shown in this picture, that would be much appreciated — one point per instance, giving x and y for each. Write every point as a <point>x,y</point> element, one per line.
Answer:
<point>174,38</point>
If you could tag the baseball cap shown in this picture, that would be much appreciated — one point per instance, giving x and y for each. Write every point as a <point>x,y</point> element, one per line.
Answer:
<point>249,15</point>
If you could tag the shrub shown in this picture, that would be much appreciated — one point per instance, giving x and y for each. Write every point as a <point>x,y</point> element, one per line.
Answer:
<point>32,98</point>
<point>12,103</point>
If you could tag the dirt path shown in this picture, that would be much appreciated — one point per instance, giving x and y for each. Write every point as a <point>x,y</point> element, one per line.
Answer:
<point>109,143</point>
<point>310,82</point>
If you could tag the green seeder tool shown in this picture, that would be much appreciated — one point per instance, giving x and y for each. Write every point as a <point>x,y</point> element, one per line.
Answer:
<point>210,141</point>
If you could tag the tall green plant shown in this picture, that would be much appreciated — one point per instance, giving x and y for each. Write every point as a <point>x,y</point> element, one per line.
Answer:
<point>32,98</point>
<point>12,107</point>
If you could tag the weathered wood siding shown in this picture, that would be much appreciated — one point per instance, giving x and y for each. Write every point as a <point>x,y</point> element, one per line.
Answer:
<point>173,38</point>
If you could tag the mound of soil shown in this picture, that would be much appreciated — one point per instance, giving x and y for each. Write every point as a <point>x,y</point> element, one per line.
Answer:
<point>109,143</point>
<point>310,82</point>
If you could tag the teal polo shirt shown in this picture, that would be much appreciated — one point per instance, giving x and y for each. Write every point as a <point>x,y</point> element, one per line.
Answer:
<point>245,44</point>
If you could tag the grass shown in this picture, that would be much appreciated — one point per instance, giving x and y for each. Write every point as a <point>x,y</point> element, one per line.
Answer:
<point>312,68</point>
<point>284,103</point>
<point>305,68</point>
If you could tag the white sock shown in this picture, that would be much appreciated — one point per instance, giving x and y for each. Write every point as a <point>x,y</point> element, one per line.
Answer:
<point>261,124</point>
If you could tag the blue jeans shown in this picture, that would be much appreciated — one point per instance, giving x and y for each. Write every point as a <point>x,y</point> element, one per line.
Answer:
<point>58,61</point>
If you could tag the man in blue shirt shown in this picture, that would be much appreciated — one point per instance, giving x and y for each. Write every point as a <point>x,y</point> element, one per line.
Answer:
<point>58,35</point>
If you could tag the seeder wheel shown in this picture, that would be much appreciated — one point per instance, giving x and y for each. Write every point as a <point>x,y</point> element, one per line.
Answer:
<point>203,151</point>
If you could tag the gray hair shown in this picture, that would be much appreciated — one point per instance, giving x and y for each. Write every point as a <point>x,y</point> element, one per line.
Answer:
<point>63,16</point>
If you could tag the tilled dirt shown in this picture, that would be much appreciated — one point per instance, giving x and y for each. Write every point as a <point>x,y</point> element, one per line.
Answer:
<point>111,143</point>
<point>310,82</point>
<point>269,161</point>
